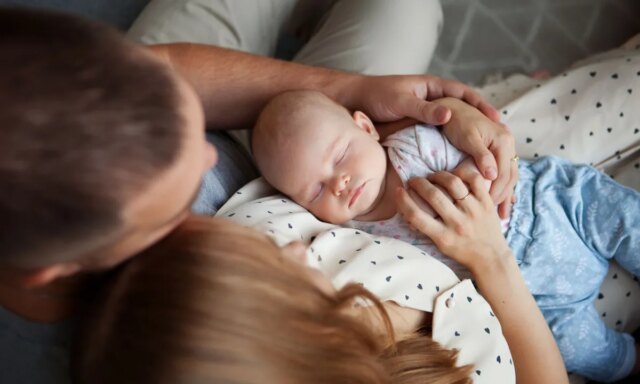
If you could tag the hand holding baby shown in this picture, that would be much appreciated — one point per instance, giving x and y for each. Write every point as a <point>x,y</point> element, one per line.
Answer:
<point>467,130</point>
<point>468,228</point>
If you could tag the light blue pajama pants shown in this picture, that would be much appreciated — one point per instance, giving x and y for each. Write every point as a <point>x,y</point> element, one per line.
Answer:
<point>568,223</point>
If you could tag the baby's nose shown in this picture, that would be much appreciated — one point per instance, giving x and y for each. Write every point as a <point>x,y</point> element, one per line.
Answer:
<point>341,183</point>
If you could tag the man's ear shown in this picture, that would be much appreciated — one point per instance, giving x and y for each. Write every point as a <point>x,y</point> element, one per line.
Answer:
<point>365,123</point>
<point>46,275</point>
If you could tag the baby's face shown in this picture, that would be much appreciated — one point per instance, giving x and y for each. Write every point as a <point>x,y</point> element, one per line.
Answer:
<point>335,168</point>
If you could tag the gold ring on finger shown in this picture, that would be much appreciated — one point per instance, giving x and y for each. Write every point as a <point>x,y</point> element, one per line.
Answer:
<point>515,159</point>
<point>464,197</point>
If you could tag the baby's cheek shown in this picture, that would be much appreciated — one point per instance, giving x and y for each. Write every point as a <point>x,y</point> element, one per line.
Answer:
<point>309,207</point>
<point>331,214</point>
<point>338,217</point>
<point>317,212</point>
<point>322,211</point>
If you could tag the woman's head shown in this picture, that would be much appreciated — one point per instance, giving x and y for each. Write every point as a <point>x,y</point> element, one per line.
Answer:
<point>218,303</point>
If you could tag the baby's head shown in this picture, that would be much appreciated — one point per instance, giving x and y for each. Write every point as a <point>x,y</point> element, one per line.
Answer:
<point>323,157</point>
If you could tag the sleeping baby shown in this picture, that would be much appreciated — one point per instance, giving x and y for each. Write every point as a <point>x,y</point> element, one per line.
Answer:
<point>568,221</point>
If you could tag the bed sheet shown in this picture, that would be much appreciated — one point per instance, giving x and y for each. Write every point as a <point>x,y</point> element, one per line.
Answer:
<point>589,114</point>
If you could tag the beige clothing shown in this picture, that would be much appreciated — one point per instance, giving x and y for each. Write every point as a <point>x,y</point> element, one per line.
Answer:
<point>373,37</point>
<point>391,269</point>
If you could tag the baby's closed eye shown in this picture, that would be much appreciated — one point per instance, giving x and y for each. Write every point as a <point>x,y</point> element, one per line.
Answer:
<point>317,191</point>
<point>342,155</point>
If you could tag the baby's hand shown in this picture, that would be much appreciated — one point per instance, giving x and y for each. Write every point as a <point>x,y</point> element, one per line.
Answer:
<point>468,167</point>
<point>464,170</point>
<point>489,143</point>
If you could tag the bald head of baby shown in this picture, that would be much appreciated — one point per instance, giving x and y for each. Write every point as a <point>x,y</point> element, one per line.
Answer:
<point>291,116</point>
<point>288,126</point>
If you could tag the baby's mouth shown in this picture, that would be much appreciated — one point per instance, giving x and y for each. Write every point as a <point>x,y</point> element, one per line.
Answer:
<point>355,194</point>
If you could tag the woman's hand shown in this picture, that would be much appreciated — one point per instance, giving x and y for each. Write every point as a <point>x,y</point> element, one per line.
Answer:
<point>470,233</point>
<point>469,227</point>
<point>488,142</point>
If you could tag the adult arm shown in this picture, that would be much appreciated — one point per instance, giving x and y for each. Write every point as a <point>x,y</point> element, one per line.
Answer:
<point>234,86</point>
<point>469,232</point>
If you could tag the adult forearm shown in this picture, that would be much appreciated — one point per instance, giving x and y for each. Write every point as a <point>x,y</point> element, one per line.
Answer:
<point>234,86</point>
<point>535,354</point>
<point>469,232</point>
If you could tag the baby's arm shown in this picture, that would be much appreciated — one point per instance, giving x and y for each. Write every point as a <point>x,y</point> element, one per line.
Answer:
<point>464,168</point>
<point>464,114</point>
<point>434,152</point>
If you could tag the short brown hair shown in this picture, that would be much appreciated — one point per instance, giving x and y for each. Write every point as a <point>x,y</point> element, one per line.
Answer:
<point>87,119</point>
<point>215,303</point>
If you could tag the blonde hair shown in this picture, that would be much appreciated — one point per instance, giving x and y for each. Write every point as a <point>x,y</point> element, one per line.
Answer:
<point>217,303</point>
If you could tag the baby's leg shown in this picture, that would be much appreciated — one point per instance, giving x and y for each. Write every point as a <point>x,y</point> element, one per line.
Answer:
<point>609,220</point>
<point>606,215</point>
<point>569,223</point>
<point>588,347</point>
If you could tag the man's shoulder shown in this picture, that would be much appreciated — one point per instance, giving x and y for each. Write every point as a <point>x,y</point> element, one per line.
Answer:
<point>34,353</point>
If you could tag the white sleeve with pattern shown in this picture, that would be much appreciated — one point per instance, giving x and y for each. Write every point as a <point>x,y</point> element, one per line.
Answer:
<point>421,150</point>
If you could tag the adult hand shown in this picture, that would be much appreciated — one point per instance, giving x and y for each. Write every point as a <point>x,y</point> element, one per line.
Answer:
<point>489,143</point>
<point>470,233</point>
<point>469,227</point>
<point>389,98</point>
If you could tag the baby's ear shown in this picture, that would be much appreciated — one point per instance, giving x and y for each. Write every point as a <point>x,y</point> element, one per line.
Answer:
<point>364,122</point>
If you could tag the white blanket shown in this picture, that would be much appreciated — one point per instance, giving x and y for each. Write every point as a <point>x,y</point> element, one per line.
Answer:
<point>391,269</point>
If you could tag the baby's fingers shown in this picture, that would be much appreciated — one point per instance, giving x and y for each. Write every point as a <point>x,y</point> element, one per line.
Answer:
<point>478,185</point>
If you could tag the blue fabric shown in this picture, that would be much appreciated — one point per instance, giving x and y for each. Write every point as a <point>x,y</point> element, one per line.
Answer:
<point>569,222</point>
<point>234,169</point>
<point>33,353</point>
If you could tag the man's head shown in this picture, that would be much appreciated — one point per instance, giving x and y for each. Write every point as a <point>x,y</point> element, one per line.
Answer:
<point>324,158</point>
<point>101,146</point>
